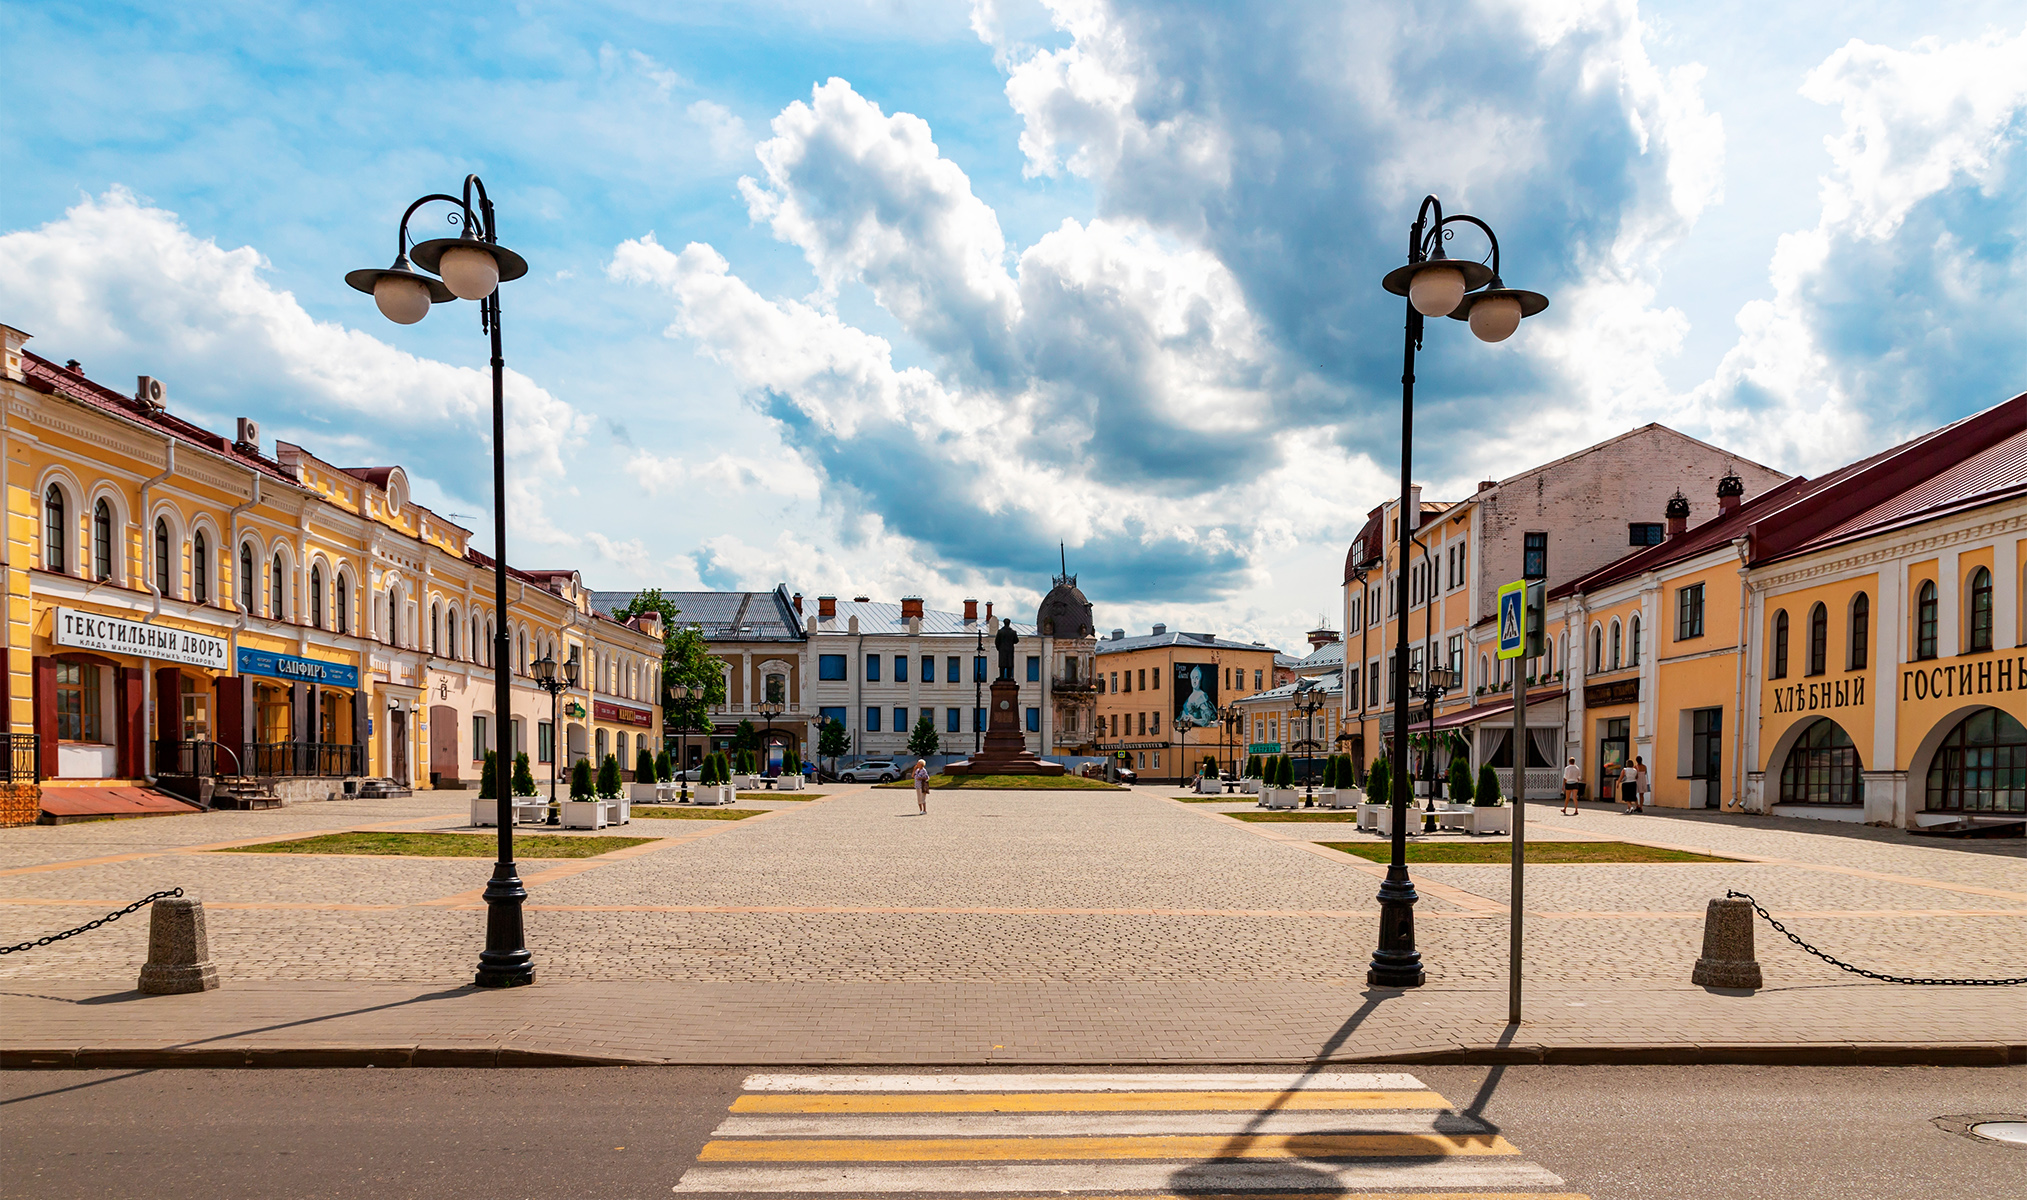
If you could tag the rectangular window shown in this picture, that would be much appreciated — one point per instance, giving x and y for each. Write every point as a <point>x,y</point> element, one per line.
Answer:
<point>872,718</point>
<point>901,720</point>
<point>1034,668</point>
<point>1115,724</point>
<point>828,715</point>
<point>479,739</point>
<point>951,723</point>
<point>1034,720</point>
<point>77,702</point>
<point>1372,684</point>
<point>1456,660</point>
<point>900,668</point>
<point>978,669</point>
<point>954,670</point>
<point>1351,683</point>
<point>1256,680</point>
<point>1534,556</point>
<point>1646,533</point>
<point>1115,681</point>
<point>872,668</point>
<point>545,742</point>
<point>1689,612</point>
<point>830,666</point>
<point>1143,723</point>
<point>1143,679</point>
<point>929,668</point>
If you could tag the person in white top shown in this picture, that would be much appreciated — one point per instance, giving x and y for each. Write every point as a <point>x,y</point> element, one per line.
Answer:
<point>1572,788</point>
<point>1629,787</point>
<point>922,786</point>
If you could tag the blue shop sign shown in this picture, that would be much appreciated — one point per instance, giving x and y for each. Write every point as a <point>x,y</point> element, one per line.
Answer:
<point>288,666</point>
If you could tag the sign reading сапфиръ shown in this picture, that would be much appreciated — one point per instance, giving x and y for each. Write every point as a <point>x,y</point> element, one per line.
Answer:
<point>288,666</point>
<point>90,631</point>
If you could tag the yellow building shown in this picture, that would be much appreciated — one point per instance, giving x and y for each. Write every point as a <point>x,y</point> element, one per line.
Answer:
<point>182,605</point>
<point>1147,683</point>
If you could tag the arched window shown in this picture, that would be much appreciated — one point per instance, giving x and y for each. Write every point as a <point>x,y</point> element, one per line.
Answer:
<point>491,637</point>
<point>450,631</point>
<point>1981,610</point>
<point>436,629</point>
<point>342,603</point>
<point>1597,648</point>
<point>55,555</point>
<point>1633,644</point>
<point>161,557</point>
<point>1616,646</point>
<point>1861,632</point>
<point>102,540</point>
<point>317,595</point>
<point>1819,639</point>
<point>200,569</point>
<point>1822,768</point>
<point>277,596</point>
<point>1981,766</point>
<point>1925,620</point>
<point>521,655</point>
<point>246,579</point>
<point>1779,667</point>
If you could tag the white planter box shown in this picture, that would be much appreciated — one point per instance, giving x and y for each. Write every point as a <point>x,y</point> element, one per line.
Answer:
<point>712,794</point>
<point>1280,798</point>
<point>618,812</point>
<point>747,783</point>
<point>1250,787</point>
<point>485,812</point>
<point>583,814</point>
<point>1209,787</point>
<point>1496,819</point>
<point>788,783</point>
<point>1369,814</point>
<point>644,793</point>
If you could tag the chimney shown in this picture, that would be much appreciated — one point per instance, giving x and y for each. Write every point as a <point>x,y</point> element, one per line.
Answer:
<point>11,342</point>
<point>1160,629</point>
<point>862,599</point>
<point>1486,485</point>
<point>911,606</point>
<point>74,367</point>
<point>1730,493</point>
<point>826,608</point>
<point>988,610</point>
<point>796,600</point>
<point>970,611</point>
<point>1414,513</point>
<point>1118,635</point>
<point>1678,514</point>
<point>1319,638</point>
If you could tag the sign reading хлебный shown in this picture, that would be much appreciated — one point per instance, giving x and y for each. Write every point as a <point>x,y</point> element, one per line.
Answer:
<point>114,635</point>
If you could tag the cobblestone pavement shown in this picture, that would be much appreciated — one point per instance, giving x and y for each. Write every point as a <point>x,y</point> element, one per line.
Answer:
<point>1127,896</point>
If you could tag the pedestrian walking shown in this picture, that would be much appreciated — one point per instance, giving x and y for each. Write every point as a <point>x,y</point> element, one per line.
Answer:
<point>1629,786</point>
<point>922,786</point>
<point>1572,788</point>
<point>1644,787</point>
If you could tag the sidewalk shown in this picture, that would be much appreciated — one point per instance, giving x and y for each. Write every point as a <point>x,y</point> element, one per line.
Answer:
<point>575,1023</point>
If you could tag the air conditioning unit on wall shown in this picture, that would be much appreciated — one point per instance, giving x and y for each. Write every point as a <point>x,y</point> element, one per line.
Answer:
<point>151,394</point>
<point>249,433</point>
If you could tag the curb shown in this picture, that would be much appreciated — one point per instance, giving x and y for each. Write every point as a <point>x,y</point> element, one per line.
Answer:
<point>1812,1054</point>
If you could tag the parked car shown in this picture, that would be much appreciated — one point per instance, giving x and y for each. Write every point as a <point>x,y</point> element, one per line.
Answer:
<point>874,770</point>
<point>1126,775</point>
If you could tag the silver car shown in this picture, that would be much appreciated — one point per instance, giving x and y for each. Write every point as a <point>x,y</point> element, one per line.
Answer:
<point>873,770</point>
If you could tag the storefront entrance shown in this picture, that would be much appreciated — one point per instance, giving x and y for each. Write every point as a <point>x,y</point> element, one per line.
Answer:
<point>443,756</point>
<point>397,746</point>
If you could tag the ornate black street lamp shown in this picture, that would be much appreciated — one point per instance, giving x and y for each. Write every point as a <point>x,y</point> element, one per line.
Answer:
<point>683,694</point>
<point>1308,700</point>
<point>1234,719</point>
<point>1429,687</point>
<point>769,708</point>
<point>1435,286</point>
<point>472,266</point>
<point>544,669</point>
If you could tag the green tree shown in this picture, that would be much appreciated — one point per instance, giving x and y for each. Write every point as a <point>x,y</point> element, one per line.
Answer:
<point>524,779</point>
<point>608,778</point>
<point>832,741</point>
<point>643,766</point>
<point>791,763</point>
<point>1458,781</point>
<point>745,738</point>
<point>1378,783</point>
<point>923,742</point>
<point>489,777</point>
<point>686,659</point>
<point>580,780</point>
<point>662,771</point>
<point>1488,787</point>
<point>1252,766</point>
<point>1286,776</point>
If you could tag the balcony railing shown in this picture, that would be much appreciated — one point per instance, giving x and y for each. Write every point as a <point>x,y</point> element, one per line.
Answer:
<point>1063,686</point>
<point>297,759</point>
<point>24,758</point>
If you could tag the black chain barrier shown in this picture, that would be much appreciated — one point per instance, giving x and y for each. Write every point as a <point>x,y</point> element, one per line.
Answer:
<point>108,919</point>
<point>1845,966</point>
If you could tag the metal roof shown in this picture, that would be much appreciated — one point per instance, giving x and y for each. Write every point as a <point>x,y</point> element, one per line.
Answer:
<point>1176,637</point>
<point>877,616</point>
<point>723,616</point>
<point>1330,685</point>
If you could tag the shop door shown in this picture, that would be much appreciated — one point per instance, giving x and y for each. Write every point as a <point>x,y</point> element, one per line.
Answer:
<point>1706,756</point>
<point>1614,751</point>
<point>443,758</point>
<point>397,746</point>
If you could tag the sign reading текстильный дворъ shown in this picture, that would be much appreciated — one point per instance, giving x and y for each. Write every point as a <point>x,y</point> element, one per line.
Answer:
<point>114,635</point>
<point>288,666</point>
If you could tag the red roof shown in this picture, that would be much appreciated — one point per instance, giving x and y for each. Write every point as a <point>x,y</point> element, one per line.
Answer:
<point>45,376</point>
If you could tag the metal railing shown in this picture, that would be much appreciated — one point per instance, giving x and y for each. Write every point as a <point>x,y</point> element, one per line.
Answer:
<point>24,758</point>
<point>319,759</point>
<point>179,758</point>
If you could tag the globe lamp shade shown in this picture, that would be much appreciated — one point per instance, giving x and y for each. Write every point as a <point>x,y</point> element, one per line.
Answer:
<point>469,272</point>
<point>1436,291</point>
<point>1494,318</point>
<point>403,299</point>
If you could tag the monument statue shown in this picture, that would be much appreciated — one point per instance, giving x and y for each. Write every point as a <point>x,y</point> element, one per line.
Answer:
<point>1005,639</point>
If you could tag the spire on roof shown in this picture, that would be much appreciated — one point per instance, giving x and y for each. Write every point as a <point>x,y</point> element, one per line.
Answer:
<point>1065,579</point>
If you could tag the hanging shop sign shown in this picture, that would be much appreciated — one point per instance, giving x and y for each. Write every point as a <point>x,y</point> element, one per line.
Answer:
<point>90,631</point>
<point>621,714</point>
<point>288,666</point>
<point>574,710</point>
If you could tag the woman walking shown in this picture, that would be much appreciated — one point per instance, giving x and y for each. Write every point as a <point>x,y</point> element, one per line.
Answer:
<point>1629,786</point>
<point>1646,785</point>
<point>922,786</point>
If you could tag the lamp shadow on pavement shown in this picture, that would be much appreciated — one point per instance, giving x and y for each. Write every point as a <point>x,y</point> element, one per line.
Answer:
<point>1241,1165</point>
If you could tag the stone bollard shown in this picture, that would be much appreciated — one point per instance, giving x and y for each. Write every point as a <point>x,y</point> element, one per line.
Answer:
<point>179,955</point>
<point>1727,960</point>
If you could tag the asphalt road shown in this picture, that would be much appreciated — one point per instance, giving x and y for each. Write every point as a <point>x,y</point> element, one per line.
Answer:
<point>1614,1133</point>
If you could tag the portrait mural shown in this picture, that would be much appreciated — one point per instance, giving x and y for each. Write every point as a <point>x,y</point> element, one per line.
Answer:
<point>1196,693</point>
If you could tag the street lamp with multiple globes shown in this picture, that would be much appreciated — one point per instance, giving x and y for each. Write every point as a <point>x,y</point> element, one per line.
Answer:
<point>472,266</point>
<point>1429,687</point>
<point>683,694</point>
<point>769,708</point>
<point>1308,701</point>
<point>1234,720</point>
<point>1435,286</point>
<point>544,669</point>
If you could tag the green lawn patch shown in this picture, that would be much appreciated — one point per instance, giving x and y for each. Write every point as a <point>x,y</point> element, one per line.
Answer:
<point>1298,814</point>
<point>709,812</point>
<point>1537,852</point>
<point>773,796</point>
<point>1019,783</point>
<point>1233,799</point>
<point>444,845</point>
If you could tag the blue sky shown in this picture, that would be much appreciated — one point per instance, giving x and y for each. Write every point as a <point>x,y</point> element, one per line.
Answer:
<point>890,298</point>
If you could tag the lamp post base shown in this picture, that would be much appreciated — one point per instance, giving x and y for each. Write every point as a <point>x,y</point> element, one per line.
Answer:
<point>505,962</point>
<point>1396,963</point>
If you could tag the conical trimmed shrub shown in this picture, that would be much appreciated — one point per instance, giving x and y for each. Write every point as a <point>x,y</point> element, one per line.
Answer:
<point>489,777</point>
<point>1488,787</point>
<point>644,766</point>
<point>1379,783</point>
<point>608,778</point>
<point>524,778</point>
<point>1286,777</point>
<point>580,780</point>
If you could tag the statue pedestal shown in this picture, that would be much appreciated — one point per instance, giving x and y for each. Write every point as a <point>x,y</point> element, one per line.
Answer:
<point>1005,751</point>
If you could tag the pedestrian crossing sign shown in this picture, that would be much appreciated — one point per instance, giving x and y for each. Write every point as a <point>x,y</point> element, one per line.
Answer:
<point>1513,620</point>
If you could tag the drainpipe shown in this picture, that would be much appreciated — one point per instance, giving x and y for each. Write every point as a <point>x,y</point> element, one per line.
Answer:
<point>1746,622</point>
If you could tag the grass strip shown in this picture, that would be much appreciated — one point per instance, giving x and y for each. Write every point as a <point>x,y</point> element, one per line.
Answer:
<point>443,845</point>
<point>1005,783</point>
<point>1537,852</point>
<point>773,796</point>
<point>709,812</point>
<point>1236,799</point>
<point>1299,814</point>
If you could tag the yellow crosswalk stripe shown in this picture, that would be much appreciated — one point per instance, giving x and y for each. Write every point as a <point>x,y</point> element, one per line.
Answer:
<point>1084,1102</point>
<point>1033,1149</point>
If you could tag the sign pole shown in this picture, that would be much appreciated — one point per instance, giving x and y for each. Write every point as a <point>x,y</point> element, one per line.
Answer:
<point>1516,907</point>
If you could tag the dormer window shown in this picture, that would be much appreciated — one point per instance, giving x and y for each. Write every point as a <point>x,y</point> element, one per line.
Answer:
<point>1646,533</point>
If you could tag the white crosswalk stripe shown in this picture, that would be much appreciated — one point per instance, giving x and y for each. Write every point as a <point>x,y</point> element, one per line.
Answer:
<point>1156,1134</point>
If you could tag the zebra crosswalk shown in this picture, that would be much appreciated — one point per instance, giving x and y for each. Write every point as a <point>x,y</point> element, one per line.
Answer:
<point>1344,1134</point>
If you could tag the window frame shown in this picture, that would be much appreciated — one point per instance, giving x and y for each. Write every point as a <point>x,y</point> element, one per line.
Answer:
<point>1778,667</point>
<point>1818,661</point>
<point>55,529</point>
<point>1978,611</point>
<point>1689,622</point>
<point>1927,614</point>
<point>1858,638</point>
